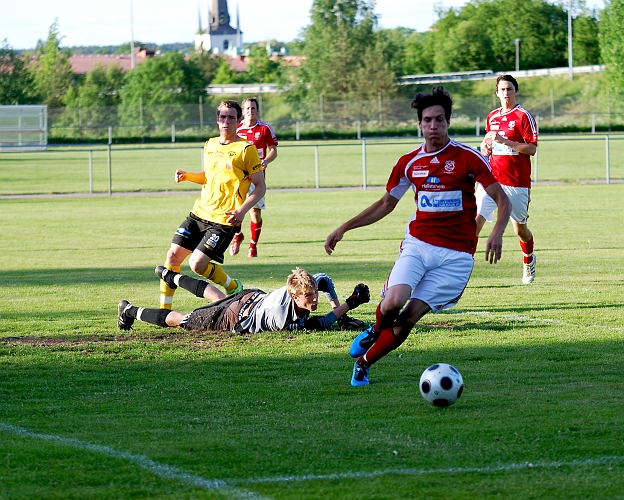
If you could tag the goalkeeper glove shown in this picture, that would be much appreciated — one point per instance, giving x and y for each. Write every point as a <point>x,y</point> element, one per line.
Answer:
<point>360,295</point>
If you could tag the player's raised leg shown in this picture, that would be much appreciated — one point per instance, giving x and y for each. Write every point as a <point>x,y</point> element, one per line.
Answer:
<point>175,257</point>
<point>201,264</point>
<point>199,288</point>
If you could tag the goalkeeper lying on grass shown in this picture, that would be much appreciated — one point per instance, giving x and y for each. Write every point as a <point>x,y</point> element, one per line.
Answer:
<point>252,311</point>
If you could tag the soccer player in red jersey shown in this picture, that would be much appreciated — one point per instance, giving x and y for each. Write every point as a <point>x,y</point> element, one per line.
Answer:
<point>261,135</point>
<point>437,255</point>
<point>510,141</point>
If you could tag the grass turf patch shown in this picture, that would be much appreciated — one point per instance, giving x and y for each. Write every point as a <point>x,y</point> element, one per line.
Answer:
<point>273,414</point>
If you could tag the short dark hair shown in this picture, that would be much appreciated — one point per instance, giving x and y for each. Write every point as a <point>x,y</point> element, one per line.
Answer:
<point>507,78</point>
<point>437,97</point>
<point>251,99</point>
<point>228,103</point>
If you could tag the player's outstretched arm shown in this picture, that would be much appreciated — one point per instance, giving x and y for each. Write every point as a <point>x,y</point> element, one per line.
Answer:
<point>360,295</point>
<point>196,177</point>
<point>494,245</point>
<point>372,214</point>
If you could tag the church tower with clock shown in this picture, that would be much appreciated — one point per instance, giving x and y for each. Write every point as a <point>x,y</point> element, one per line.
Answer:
<point>219,37</point>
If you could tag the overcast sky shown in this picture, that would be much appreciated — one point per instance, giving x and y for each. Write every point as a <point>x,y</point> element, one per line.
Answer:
<point>85,22</point>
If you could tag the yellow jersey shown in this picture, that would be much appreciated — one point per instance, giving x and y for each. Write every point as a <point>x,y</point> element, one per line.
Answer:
<point>228,169</point>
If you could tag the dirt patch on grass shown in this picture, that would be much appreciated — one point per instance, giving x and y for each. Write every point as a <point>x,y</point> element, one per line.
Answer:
<point>196,338</point>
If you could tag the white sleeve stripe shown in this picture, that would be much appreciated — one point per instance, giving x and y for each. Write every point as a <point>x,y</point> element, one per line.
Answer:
<point>530,118</point>
<point>475,152</point>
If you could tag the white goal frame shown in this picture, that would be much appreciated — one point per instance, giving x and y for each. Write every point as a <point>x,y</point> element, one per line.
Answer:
<point>23,128</point>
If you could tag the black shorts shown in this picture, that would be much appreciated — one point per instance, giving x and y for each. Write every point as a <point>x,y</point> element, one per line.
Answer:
<point>210,238</point>
<point>223,315</point>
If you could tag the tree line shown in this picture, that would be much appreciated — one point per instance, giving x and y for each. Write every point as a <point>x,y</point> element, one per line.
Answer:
<point>347,56</point>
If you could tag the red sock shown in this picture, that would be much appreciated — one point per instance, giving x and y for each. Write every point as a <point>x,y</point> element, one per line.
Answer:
<point>383,321</point>
<point>527,250</point>
<point>255,232</point>
<point>386,343</point>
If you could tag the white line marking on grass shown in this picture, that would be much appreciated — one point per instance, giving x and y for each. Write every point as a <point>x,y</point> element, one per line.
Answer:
<point>528,319</point>
<point>156,468</point>
<point>418,472</point>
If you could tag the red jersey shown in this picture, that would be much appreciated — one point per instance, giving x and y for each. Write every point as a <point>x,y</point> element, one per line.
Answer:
<point>510,167</point>
<point>444,185</point>
<point>260,135</point>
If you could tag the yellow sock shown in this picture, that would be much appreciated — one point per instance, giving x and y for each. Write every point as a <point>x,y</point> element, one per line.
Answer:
<point>216,274</point>
<point>166,293</point>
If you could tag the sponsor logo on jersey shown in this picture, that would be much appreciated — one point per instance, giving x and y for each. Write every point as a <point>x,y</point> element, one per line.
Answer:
<point>440,201</point>
<point>511,124</point>
<point>503,150</point>
<point>504,119</point>
<point>232,154</point>
<point>494,126</point>
<point>432,186</point>
<point>434,160</point>
<point>182,231</point>
<point>257,135</point>
<point>420,173</point>
<point>433,180</point>
<point>449,165</point>
<point>212,241</point>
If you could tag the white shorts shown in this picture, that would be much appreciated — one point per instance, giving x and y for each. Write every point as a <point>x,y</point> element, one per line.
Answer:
<point>260,205</point>
<point>437,275</point>
<point>518,197</point>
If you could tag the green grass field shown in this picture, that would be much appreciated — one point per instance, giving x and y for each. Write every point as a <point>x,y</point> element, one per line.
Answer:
<point>87,411</point>
<point>570,158</point>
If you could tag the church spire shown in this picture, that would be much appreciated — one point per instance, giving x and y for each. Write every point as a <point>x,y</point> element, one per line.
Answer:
<point>238,31</point>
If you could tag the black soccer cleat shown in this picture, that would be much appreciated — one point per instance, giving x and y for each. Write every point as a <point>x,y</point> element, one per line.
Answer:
<point>348,323</point>
<point>166,275</point>
<point>124,322</point>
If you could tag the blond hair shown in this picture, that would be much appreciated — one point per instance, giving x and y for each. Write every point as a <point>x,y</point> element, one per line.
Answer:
<point>301,282</point>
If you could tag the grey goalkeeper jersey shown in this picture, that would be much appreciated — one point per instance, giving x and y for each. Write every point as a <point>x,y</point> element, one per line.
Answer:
<point>276,311</point>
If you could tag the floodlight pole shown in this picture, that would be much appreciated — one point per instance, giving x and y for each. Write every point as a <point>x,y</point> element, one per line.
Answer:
<point>517,42</point>
<point>570,63</point>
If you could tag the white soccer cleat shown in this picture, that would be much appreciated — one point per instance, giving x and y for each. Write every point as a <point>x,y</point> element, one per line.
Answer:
<point>528,275</point>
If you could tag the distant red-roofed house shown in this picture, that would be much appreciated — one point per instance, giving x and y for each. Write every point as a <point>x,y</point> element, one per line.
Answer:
<point>83,63</point>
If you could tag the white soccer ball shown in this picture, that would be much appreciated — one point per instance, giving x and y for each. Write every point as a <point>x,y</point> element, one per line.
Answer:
<point>441,385</point>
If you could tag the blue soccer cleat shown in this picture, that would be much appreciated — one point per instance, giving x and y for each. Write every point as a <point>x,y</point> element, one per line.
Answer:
<point>363,342</point>
<point>360,375</point>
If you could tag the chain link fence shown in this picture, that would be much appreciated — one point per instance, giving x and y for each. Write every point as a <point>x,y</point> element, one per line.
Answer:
<point>321,119</point>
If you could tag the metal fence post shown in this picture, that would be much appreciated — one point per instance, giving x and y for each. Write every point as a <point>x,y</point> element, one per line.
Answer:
<point>297,130</point>
<point>172,134</point>
<point>608,159</point>
<point>359,129</point>
<point>201,114</point>
<point>90,171</point>
<point>593,126</point>
<point>110,166</point>
<point>364,183</point>
<point>316,166</point>
<point>478,127</point>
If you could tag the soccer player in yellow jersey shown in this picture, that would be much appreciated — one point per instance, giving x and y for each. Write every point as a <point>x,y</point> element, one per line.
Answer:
<point>231,165</point>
